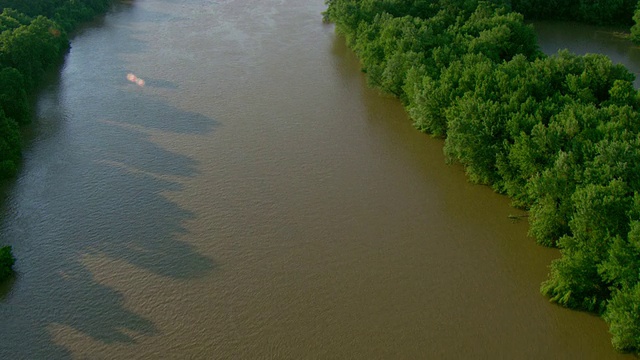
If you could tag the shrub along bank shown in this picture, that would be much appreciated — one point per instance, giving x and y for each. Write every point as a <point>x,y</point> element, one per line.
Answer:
<point>559,134</point>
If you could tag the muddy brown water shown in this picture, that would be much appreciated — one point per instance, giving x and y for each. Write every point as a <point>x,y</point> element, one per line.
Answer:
<point>254,200</point>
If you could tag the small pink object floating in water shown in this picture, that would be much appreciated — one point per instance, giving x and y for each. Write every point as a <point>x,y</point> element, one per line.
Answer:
<point>134,79</point>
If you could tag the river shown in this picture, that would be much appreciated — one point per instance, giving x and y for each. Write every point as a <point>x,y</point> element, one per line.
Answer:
<point>254,199</point>
<point>584,39</point>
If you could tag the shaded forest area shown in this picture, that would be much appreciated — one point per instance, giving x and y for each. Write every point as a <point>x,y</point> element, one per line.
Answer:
<point>589,11</point>
<point>33,39</point>
<point>558,134</point>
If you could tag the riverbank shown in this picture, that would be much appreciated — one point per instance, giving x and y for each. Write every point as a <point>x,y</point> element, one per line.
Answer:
<point>34,40</point>
<point>557,134</point>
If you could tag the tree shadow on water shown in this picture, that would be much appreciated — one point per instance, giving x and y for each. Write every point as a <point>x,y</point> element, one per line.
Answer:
<point>100,195</point>
<point>6,285</point>
<point>159,83</point>
<point>95,186</point>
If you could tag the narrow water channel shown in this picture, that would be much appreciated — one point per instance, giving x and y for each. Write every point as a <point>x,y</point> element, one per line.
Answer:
<point>590,39</point>
<point>255,200</point>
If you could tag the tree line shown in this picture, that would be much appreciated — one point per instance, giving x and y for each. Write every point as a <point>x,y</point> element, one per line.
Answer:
<point>559,134</point>
<point>590,11</point>
<point>33,39</point>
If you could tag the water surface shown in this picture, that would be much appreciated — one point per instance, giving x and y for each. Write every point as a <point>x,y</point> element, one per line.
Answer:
<point>255,200</point>
<point>584,39</point>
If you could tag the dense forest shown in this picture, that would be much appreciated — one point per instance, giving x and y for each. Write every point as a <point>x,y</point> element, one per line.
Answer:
<point>559,134</point>
<point>589,11</point>
<point>33,38</point>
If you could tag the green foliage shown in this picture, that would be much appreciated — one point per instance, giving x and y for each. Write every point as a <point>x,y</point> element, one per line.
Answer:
<point>13,95</point>
<point>560,135</point>
<point>10,145</point>
<point>591,11</point>
<point>623,316</point>
<point>30,44</point>
<point>635,29</point>
<point>66,13</point>
<point>622,270</point>
<point>32,49</point>
<point>11,19</point>
<point>598,222</point>
<point>475,129</point>
<point>6,262</point>
<point>550,193</point>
